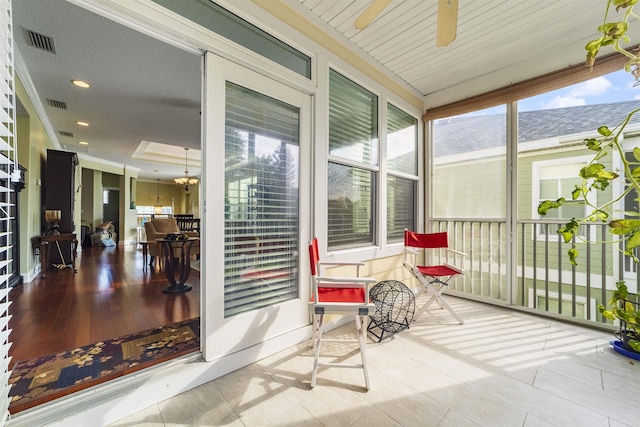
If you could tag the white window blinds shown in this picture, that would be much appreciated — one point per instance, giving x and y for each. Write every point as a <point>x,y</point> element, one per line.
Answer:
<point>261,200</point>
<point>7,159</point>
<point>402,158</point>
<point>353,150</point>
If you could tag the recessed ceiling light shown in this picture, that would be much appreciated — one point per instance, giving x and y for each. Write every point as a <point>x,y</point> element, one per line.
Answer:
<point>82,123</point>
<point>80,83</point>
<point>83,143</point>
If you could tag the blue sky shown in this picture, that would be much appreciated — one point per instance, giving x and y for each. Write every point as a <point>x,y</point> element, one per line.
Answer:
<point>614,87</point>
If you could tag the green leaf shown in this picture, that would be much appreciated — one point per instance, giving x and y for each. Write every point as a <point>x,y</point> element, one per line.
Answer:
<point>624,226</point>
<point>604,131</point>
<point>613,31</point>
<point>593,144</point>
<point>591,171</point>
<point>569,230</point>
<point>621,292</point>
<point>599,174</point>
<point>599,215</point>
<point>633,242</point>
<point>636,153</point>
<point>573,255</point>
<point>545,205</point>
<point>622,4</point>
<point>576,193</point>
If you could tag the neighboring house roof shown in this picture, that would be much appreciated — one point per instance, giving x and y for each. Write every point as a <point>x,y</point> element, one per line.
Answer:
<point>470,133</point>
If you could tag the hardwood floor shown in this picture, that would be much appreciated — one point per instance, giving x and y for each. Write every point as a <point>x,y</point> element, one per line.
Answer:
<point>111,295</point>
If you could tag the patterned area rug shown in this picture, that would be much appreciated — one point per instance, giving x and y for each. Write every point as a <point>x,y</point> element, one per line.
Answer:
<point>41,380</point>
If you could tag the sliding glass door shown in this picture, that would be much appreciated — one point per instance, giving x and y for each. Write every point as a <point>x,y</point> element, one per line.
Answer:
<point>256,289</point>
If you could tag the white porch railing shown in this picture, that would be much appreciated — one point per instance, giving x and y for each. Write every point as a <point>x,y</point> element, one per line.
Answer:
<point>544,280</point>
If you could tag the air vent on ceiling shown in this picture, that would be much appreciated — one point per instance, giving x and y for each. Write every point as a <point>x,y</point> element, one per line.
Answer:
<point>64,133</point>
<point>40,41</point>
<point>57,104</point>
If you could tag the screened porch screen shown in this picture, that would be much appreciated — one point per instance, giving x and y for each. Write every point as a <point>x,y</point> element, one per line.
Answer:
<point>261,201</point>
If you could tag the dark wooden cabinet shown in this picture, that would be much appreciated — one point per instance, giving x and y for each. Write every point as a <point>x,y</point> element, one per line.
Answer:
<point>60,194</point>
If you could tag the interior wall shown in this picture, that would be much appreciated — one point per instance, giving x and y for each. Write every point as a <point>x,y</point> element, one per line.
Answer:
<point>32,141</point>
<point>96,200</point>
<point>189,202</point>
<point>147,195</point>
<point>86,208</point>
<point>128,214</point>
<point>22,143</point>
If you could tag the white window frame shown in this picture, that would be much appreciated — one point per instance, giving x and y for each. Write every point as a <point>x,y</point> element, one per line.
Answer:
<point>553,296</point>
<point>536,168</point>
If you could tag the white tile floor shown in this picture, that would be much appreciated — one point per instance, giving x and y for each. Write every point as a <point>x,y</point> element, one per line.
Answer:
<point>501,368</point>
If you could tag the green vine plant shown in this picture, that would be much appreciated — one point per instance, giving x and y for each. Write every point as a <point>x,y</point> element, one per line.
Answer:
<point>623,225</point>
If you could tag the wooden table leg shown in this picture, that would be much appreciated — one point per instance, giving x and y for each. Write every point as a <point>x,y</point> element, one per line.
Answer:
<point>184,266</point>
<point>44,251</point>
<point>145,253</point>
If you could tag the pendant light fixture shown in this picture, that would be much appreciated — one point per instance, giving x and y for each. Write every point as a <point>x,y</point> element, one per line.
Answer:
<point>186,181</point>
<point>157,208</point>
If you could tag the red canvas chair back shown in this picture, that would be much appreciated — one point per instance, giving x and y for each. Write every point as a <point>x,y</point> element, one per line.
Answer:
<point>426,241</point>
<point>314,256</point>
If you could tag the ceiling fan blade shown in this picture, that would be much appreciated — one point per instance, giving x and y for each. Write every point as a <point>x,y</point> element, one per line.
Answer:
<point>370,13</point>
<point>447,22</point>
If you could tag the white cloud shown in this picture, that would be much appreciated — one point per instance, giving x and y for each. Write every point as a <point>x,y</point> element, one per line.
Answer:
<point>592,87</point>
<point>564,101</point>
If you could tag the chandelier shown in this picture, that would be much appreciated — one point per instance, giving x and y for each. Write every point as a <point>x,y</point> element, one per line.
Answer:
<point>186,181</point>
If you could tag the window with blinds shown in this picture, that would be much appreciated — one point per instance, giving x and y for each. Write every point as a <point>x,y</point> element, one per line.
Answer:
<point>353,120</point>
<point>401,207</point>
<point>7,162</point>
<point>402,159</point>
<point>402,141</point>
<point>351,206</point>
<point>352,169</point>
<point>261,200</point>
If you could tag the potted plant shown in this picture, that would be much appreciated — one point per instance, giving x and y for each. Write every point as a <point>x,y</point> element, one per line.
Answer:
<point>626,308</point>
<point>597,176</point>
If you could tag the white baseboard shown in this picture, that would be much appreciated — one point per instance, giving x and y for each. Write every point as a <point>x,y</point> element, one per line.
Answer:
<point>29,276</point>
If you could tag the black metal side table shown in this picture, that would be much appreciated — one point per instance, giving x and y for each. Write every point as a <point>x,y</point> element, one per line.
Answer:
<point>183,261</point>
<point>395,306</point>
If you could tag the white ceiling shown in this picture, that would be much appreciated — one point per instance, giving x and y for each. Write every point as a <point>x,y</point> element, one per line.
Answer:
<point>144,90</point>
<point>498,42</point>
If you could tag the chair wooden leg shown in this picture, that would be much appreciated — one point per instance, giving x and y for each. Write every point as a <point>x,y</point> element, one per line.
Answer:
<point>436,296</point>
<point>317,352</point>
<point>361,330</point>
<point>314,325</point>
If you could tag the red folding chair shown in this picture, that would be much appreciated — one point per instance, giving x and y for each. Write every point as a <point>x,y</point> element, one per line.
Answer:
<point>347,296</point>
<point>433,278</point>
